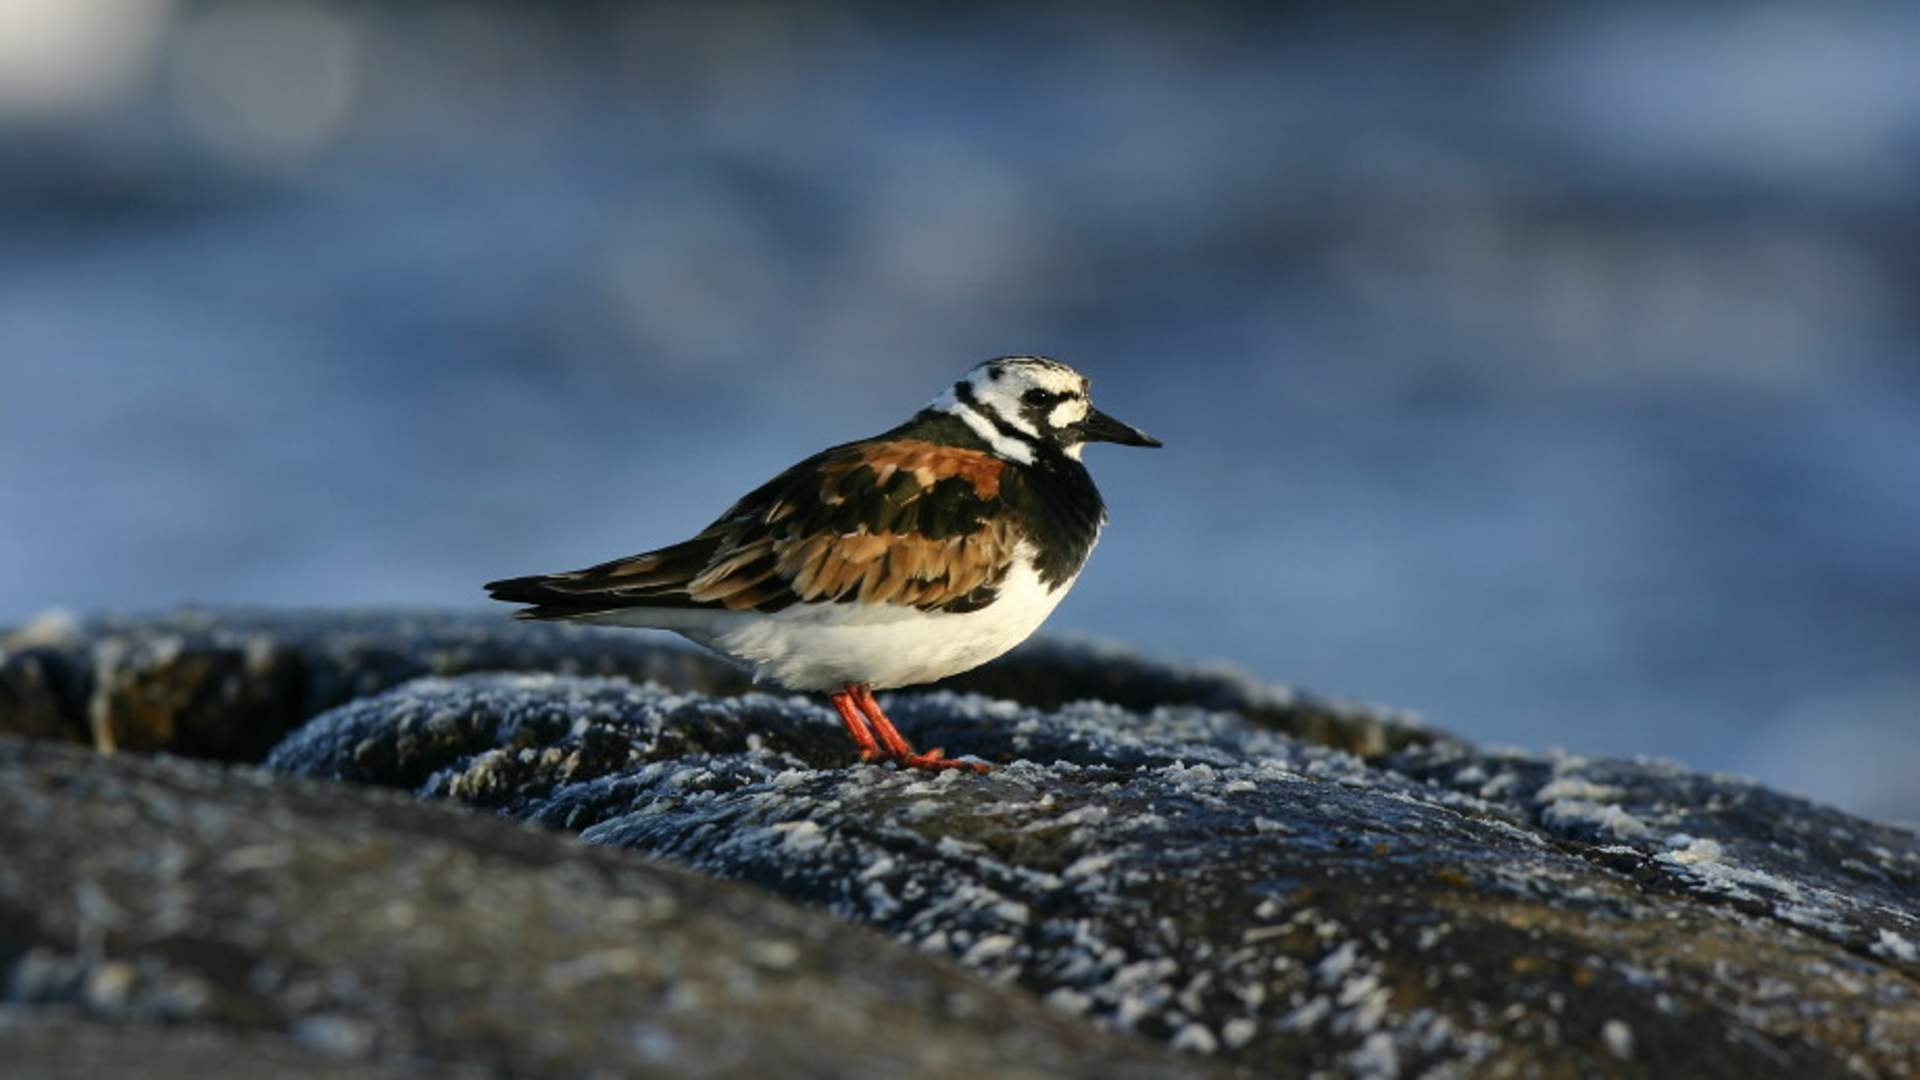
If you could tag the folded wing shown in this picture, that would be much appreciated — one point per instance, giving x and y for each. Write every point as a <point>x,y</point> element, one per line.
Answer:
<point>886,521</point>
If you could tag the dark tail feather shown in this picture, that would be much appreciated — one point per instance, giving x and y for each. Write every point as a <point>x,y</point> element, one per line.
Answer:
<point>653,579</point>
<point>520,590</point>
<point>548,602</point>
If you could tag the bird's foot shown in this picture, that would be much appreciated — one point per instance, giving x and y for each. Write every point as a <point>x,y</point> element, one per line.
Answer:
<point>883,742</point>
<point>936,760</point>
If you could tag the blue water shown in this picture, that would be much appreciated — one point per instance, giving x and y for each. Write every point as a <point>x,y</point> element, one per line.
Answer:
<point>1552,374</point>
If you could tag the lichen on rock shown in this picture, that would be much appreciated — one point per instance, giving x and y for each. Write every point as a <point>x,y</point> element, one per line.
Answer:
<point>229,684</point>
<point>1246,875</point>
<point>175,918</point>
<point>1205,880</point>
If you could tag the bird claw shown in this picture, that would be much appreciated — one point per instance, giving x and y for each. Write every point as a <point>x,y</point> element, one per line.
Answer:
<point>880,741</point>
<point>935,760</point>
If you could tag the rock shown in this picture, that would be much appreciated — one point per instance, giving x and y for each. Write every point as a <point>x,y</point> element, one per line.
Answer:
<point>227,700</point>
<point>48,1047</point>
<point>1183,854</point>
<point>1237,893</point>
<point>1715,838</point>
<point>228,685</point>
<point>187,919</point>
<point>1048,674</point>
<point>32,696</point>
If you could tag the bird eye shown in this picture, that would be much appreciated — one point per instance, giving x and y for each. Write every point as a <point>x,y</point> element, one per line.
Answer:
<point>1036,396</point>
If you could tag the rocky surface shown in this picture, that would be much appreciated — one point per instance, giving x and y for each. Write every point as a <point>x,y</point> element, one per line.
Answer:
<point>1235,892</point>
<point>229,684</point>
<point>1182,855</point>
<point>178,918</point>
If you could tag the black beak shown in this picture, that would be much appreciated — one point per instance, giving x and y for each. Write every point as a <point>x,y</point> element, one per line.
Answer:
<point>1099,427</point>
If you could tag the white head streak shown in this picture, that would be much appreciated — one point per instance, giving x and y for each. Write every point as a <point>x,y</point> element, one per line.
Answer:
<point>1016,403</point>
<point>1007,446</point>
<point>1069,412</point>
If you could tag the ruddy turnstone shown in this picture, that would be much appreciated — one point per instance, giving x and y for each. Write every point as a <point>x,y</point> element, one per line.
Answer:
<point>896,560</point>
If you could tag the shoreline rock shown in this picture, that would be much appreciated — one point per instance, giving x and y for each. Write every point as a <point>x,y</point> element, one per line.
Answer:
<point>1261,881</point>
<point>1229,890</point>
<point>204,920</point>
<point>229,684</point>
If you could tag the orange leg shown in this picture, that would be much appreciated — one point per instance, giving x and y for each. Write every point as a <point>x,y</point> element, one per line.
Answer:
<point>898,748</point>
<point>883,729</point>
<point>857,727</point>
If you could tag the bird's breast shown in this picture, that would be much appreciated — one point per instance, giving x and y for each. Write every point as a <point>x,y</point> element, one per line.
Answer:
<point>1060,512</point>
<point>821,646</point>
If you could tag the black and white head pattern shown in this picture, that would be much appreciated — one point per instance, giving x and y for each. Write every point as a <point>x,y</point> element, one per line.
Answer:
<point>1018,403</point>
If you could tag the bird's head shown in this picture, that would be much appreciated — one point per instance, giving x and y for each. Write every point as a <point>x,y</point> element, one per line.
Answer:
<point>1020,404</point>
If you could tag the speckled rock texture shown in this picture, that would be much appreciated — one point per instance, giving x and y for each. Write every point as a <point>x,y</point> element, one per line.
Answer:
<point>169,918</point>
<point>1238,893</point>
<point>1264,883</point>
<point>228,685</point>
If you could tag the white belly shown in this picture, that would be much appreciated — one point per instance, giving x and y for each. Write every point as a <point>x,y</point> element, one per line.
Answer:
<point>822,646</point>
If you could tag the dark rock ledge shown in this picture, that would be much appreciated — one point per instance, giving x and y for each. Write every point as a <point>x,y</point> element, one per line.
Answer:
<point>162,917</point>
<point>1202,866</point>
<point>228,685</point>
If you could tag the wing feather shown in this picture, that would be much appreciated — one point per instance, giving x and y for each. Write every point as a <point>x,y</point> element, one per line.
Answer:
<point>886,521</point>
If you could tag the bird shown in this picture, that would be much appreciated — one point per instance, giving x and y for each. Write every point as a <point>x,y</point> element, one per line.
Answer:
<point>891,561</point>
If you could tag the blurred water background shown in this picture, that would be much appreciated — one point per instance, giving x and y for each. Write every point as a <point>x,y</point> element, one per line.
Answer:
<point>1548,369</point>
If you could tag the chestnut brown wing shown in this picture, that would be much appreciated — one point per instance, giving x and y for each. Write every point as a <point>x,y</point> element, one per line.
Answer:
<point>886,521</point>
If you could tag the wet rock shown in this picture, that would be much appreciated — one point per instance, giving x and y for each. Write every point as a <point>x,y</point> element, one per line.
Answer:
<point>228,685</point>
<point>228,700</point>
<point>1716,838</point>
<point>1234,892</point>
<point>47,1047</point>
<point>1048,674</point>
<point>32,696</point>
<point>187,919</point>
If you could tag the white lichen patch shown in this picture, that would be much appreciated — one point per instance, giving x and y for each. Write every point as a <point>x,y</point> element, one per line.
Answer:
<point>1704,862</point>
<point>1895,947</point>
<point>1618,1038</point>
<point>1609,819</point>
<point>1575,787</point>
<point>1182,873</point>
<point>1378,1058</point>
<point>801,835</point>
<point>1195,1038</point>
